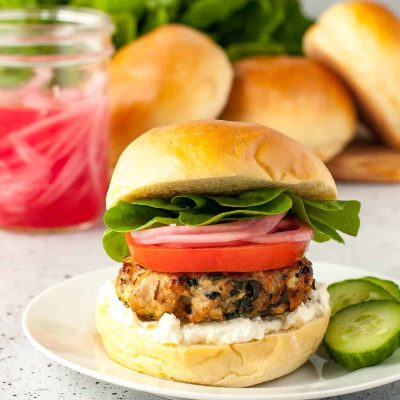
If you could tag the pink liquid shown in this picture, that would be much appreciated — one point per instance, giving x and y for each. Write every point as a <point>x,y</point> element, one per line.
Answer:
<point>53,157</point>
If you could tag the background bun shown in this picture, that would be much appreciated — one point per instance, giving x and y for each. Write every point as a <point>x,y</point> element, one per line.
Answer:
<point>367,162</point>
<point>294,95</point>
<point>360,40</point>
<point>237,365</point>
<point>216,157</point>
<point>172,74</point>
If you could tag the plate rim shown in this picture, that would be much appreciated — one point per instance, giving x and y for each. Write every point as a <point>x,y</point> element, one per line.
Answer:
<point>178,393</point>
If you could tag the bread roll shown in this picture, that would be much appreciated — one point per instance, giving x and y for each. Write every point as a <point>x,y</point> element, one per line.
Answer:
<point>367,162</point>
<point>216,158</point>
<point>360,41</point>
<point>172,74</point>
<point>234,365</point>
<point>294,95</point>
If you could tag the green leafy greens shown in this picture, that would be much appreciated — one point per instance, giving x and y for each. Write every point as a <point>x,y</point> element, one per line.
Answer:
<point>242,27</point>
<point>325,217</point>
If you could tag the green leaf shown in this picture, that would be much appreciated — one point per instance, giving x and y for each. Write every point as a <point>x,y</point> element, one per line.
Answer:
<point>204,13</point>
<point>278,205</point>
<point>274,12</point>
<point>250,199</point>
<point>161,204</point>
<point>158,221</point>
<point>196,203</point>
<point>125,28</point>
<point>299,211</point>
<point>291,32</point>
<point>111,6</point>
<point>237,51</point>
<point>345,220</point>
<point>125,217</point>
<point>18,3</point>
<point>114,244</point>
<point>325,232</point>
<point>159,12</point>
<point>326,205</point>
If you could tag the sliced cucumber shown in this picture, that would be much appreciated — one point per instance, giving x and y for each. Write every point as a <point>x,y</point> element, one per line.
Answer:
<point>389,286</point>
<point>364,334</point>
<point>353,291</point>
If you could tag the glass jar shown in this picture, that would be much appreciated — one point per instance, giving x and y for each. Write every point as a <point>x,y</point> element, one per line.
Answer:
<point>53,117</point>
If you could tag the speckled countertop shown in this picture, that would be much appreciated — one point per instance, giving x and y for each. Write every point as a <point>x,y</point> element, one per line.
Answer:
<point>31,263</point>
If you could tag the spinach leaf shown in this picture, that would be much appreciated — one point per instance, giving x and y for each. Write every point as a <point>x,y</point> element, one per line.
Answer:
<point>115,245</point>
<point>345,220</point>
<point>161,204</point>
<point>278,205</point>
<point>300,212</point>
<point>250,199</point>
<point>204,13</point>
<point>294,26</point>
<point>126,217</point>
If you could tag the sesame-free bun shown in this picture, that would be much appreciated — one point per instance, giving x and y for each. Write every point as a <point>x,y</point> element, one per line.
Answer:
<point>360,41</point>
<point>366,162</point>
<point>216,158</point>
<point>173,74</point>
<point>234,365</point>
<point>297,96</point>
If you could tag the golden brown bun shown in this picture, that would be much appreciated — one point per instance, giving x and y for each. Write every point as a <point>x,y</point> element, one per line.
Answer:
<point>236,365</point>
<point>172,74</point>
<point>219,158</point>
<point>364,162</point>
<point>360,40</point>
<point>294,95</point>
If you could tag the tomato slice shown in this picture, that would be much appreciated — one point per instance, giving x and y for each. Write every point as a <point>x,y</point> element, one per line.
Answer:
<point>244,258</point>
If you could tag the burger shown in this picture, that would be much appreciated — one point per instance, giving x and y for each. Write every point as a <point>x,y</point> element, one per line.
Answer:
<point>211,221</point>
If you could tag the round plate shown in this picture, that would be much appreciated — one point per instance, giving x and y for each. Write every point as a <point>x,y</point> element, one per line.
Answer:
<point>60,324</point>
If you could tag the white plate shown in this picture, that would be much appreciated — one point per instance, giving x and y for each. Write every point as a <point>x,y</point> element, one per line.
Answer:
<point>60,324</point>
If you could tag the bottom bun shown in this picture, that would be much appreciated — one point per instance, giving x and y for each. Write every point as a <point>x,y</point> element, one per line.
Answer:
<point>234,365</point>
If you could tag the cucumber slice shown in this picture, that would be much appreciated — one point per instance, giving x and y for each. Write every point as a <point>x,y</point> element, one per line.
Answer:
<point>364,334</point>
<point>354,291</point>
<point>389,286</point>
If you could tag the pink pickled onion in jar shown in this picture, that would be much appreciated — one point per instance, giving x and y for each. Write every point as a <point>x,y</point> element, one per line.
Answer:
<point>54,126</point>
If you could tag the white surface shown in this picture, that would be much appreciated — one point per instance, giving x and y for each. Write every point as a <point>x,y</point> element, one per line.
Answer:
<point>55,328</point>
<point>31,263</point>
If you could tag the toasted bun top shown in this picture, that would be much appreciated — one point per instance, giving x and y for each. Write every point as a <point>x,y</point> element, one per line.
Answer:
<point>219,158</point>
<point>297,96</point>
<point>360,41</point>
<point>172,74</point>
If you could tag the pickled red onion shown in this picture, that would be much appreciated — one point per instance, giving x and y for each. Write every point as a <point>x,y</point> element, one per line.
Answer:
<point>53,142</point>
<point>295,231</point>
<point>270,229</point>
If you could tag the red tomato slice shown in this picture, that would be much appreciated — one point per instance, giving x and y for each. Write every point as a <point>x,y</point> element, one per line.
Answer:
<point>245,258</point>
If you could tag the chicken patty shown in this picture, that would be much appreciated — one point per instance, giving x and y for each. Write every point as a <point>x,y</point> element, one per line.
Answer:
<point>198,297</point>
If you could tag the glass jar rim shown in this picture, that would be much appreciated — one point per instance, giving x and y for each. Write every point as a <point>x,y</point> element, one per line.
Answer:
<point>23,28</point>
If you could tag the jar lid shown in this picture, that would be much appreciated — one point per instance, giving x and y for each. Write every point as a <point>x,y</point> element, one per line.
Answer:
<point>56,37</point>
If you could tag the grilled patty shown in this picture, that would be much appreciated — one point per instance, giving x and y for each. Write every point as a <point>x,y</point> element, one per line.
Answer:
<point>197,297</point>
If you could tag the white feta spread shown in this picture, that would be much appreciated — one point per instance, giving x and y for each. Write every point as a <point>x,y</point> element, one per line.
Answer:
<point>170,330</point>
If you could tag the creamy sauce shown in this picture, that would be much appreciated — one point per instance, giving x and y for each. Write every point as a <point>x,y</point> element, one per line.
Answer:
<point>170,330</point>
